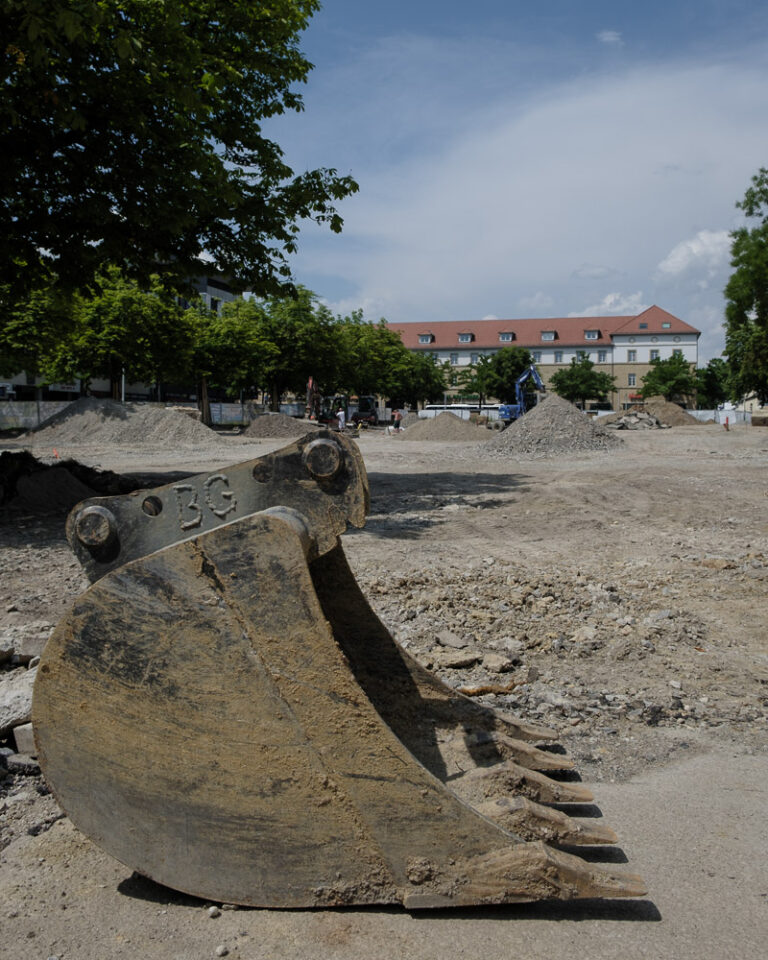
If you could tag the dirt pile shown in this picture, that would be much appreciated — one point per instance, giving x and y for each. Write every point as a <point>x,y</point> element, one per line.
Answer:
<point>552,427</point>
<point>447,427</point>
<point>30,485</point>
<point>410,419</point>
<point>669,413</point>
<point>89,420</point>
<point>278,425</point>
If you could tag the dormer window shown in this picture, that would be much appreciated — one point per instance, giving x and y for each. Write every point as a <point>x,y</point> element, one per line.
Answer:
<point>642,326</point>
<point>466,337</point>
<point>666,325</point>
<point>548,335</point>
<point>506,337</point>
<point>426,337</point>
<point>591,334</point>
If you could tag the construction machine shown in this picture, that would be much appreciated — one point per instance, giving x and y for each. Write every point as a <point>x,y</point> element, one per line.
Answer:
<point>508,412</point>
<point>223,712</point>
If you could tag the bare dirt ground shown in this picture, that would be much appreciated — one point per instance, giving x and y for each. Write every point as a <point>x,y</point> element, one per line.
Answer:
<point>624,593</point>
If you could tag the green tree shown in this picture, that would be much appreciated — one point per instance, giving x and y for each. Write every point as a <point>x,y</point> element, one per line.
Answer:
<point>372,358</point>
<point>122,329</point>
<point>672,379</point>
<point>417,378</point>
<point>746,295</point>
<point>503,369</point>
<point>480,379</point>
<point>712,384</point>
<point>581,382</point>
<point>303,341</point>
<point>229,350</point>
<point>131,133</point>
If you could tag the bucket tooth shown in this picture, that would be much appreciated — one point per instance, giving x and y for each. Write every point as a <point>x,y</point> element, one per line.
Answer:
<point>502,779</point>
<point>532,821</point>
<point>498,745</point>
<point>530,871</point>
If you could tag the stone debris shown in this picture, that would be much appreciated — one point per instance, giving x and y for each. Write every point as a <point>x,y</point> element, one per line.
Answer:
<point>608,654</point>
<point>670,414</point>
<point>278,425</point>
<point>554,426</point>
<point>15,698</point>
<point>88,420</point>
<point>633,420</point>
<point>445,426</point>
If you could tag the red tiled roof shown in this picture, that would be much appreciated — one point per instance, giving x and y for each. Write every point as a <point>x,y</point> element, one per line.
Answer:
<point>569,331</point>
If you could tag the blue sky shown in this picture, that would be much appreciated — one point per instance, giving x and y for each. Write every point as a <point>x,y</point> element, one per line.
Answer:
<point>525,161</point>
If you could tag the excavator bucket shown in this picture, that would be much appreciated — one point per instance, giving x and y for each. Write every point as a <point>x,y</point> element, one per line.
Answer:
<point>224,713</point>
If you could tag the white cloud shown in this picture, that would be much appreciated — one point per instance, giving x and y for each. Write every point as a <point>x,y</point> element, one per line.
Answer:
<point>593,271</point>
<point>580,190</point>
<point>615,305</point>
<point>611,38</point>
<point>490,316</point>
<point>708,250</point>
<point>538,302</point>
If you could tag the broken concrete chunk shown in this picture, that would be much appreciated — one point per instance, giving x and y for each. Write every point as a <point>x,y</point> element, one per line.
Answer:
<point>497,663</point>
<point>15,699</point>
<point>25,740</point>
<point>448,639</point>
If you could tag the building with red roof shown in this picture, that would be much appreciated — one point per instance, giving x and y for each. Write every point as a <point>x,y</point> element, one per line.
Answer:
<point>620,346</point>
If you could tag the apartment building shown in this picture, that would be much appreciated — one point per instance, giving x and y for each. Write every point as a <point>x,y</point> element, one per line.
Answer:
<point>620,346</point>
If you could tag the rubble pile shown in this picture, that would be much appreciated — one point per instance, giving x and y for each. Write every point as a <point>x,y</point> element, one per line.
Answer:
<point>445,426</point>
<point>633,420</point>
<point>670,414</point>
<point>554,426</point>
<point>89,420</point>
<point>268,425</point>
<point>560,647</point>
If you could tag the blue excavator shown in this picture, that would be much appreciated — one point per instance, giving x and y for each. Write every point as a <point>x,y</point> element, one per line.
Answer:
<point>509,412</point>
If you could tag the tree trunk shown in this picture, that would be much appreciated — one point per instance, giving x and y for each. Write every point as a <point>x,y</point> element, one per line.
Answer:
<point>274,397</point>
<point>203,403</point>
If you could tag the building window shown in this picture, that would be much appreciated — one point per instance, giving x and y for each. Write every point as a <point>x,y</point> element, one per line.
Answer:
<point>602,356</point>
<point>591,334</point>
<point>506,337</point>
<point>631,356</point>
<point>466,337</point>
<point>474,357</point>
<point>547,334</point>
<point>642,326</point>
<point>454,379</point>
<point>425,338</point>
<point>536,354</point>
<point>666,325</point>
<point>558,356</point>
<point>677,352</point>
<point>454,359</point>
<point>215,305</point>
<point>582,355</point>
<point>654,354</point>
<point>631,379</point>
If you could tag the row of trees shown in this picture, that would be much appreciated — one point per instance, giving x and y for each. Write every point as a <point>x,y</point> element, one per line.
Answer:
<point>150,335</point>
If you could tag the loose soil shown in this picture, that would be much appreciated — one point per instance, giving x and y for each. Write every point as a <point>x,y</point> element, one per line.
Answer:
<point>622,587</point>
<point>445,426</point>
<point>277,425</point>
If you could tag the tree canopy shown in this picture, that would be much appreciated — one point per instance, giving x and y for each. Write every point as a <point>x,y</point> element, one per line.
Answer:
<point>494,375</point>
<point>581,382</point>
<point>131,133</point>
<point>746,294</point>
<point>672,379</point>
<point>712,384</point>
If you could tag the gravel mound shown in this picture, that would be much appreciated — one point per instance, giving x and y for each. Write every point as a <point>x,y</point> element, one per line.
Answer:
<point>89,420</point>
<point>278,425</point>
<point>552,427</point>
<point>669,413</point>
<point>409,419</point>
<point>445,426</point>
